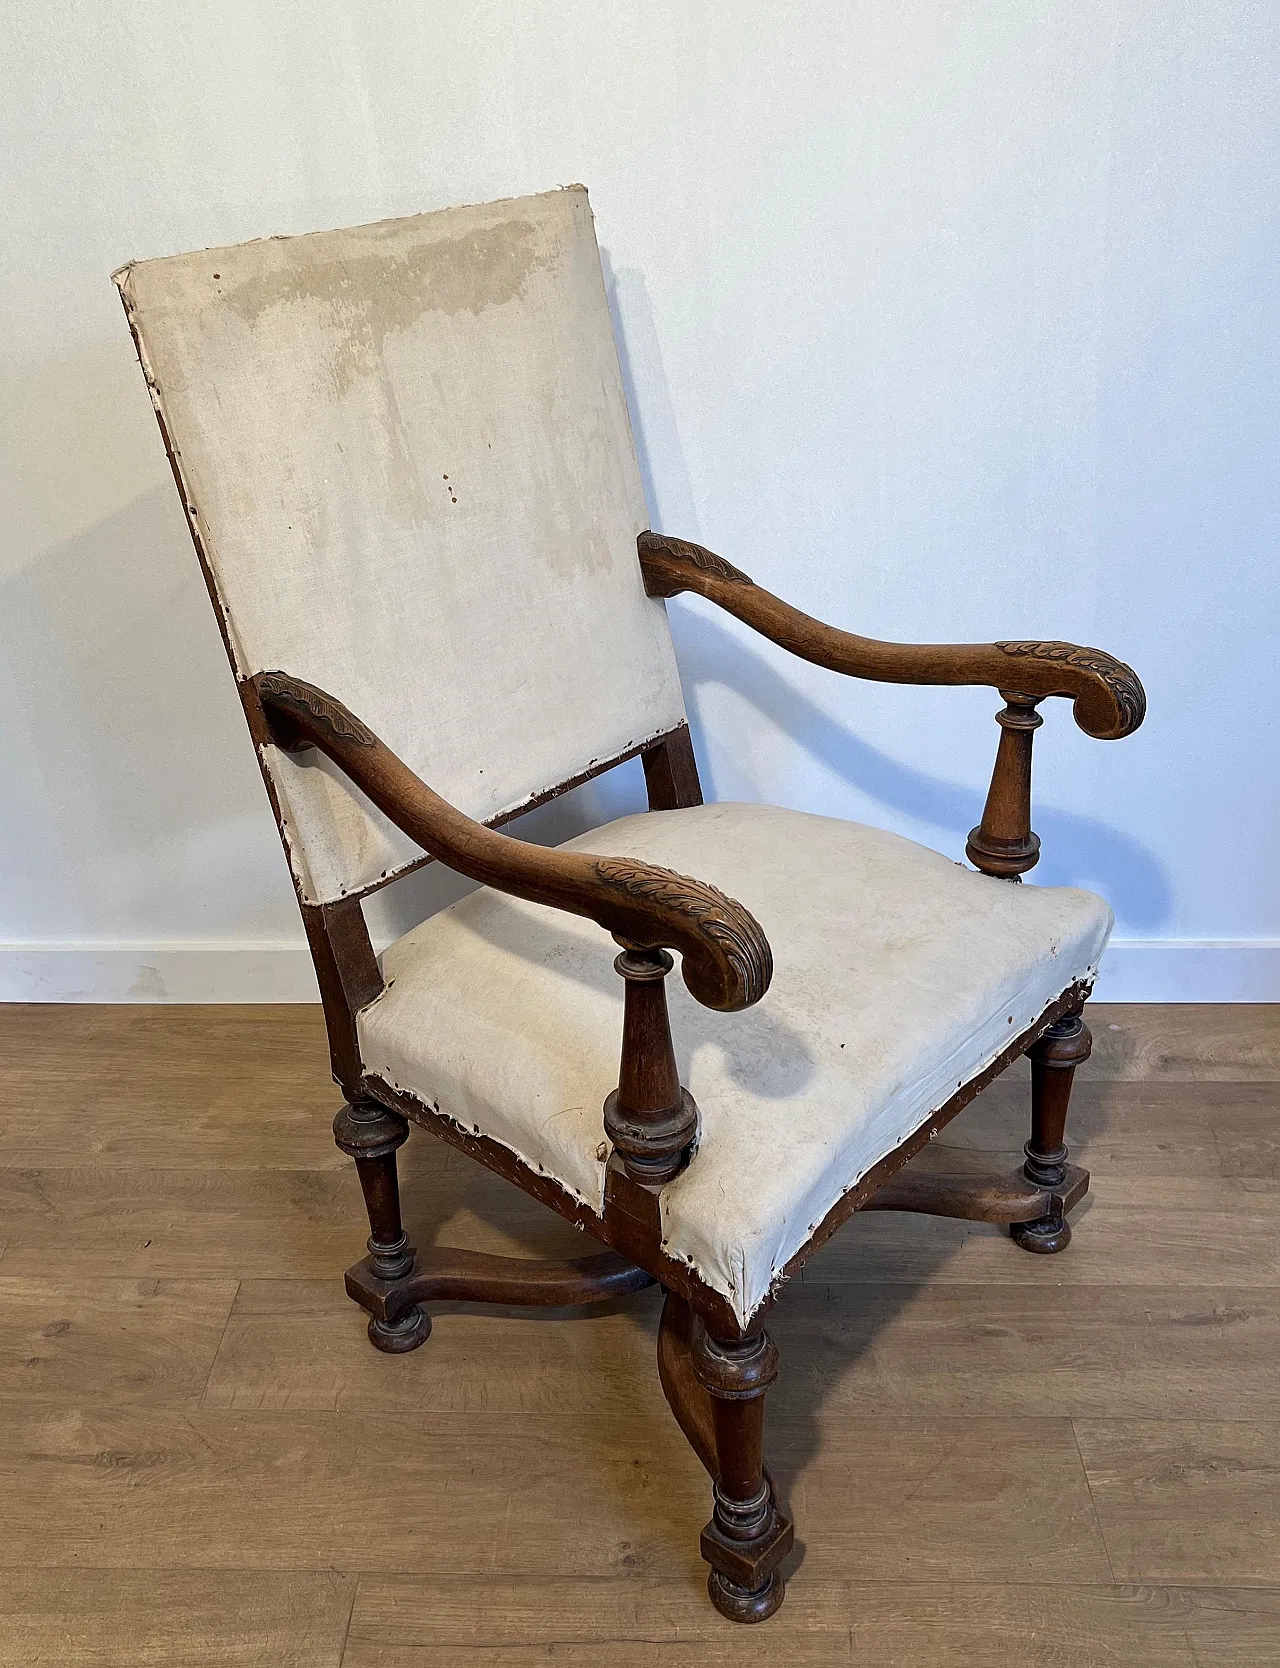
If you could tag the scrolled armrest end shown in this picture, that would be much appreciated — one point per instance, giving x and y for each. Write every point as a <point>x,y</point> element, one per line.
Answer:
<point>1110,701</point>
<point>727,963</point>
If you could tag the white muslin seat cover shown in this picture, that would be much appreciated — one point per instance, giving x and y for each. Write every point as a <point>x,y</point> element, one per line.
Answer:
<point>898,976</point>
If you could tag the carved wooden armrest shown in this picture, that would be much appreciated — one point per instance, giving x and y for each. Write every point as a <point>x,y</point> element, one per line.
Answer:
<point>1109,700</point>
<point>727,963</point>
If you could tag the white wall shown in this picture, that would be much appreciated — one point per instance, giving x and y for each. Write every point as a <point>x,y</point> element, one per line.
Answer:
<point>946,320</point>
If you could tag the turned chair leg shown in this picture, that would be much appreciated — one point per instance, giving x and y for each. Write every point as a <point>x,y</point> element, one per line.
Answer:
<point>1054,1058</point>
<point>371,1134</point>
<point>748,1536</point>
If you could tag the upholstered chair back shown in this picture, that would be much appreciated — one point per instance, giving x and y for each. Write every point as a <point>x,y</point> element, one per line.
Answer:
<point>407,461</point>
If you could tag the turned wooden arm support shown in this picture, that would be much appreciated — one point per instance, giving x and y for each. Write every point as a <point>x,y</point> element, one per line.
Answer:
<point>727,963</point>
<point>1109,701</point>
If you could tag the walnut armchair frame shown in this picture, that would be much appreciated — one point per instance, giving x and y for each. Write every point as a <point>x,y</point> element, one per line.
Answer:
<point>714,1372</point>
<point>406,446</point>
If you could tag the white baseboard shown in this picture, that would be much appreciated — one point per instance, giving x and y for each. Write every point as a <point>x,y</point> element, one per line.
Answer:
<point>226,970</point>
<point>1190,970</point>
<point>233,970</point>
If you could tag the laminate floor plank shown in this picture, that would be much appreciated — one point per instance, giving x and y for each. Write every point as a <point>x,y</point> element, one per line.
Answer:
<point>553,1494</point>
<point>181,1224</point>
<point>1142,1131</point>
<point>295,1346</point>
<point>408,1621</point>
<point>1234,1627</point>
<point>173,1618</point>
<point>849,1349</point>
<point>1225,1042</point>
<point>274,1222</point>
<point>1205,1233</point>
<point>1185,1502</point>
<point>133,1341</point>
<point>1141,1352</point>
<point>167,1088</point>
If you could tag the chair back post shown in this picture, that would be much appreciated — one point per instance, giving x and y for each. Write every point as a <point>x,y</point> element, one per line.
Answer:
<point>349,977</point>
<point>1003,843</point>
<point>671,772</point>
<point>649,1118</point>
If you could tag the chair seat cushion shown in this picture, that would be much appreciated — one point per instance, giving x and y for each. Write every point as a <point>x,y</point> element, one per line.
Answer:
<point>898,976</point>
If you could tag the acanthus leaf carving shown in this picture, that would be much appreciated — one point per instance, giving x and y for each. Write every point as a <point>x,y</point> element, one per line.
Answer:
<point>683,550</point>
<point>1121,680</point>
<point>726,922</point>
<point>277,689</point>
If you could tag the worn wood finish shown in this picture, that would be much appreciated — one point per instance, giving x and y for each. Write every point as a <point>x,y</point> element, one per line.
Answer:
<point>1003,843</point>
<point>1109,700</point>
<point>630,1225</point>
<point>349,977</point>
<point>749,1535</point>
<point>671,772</point>
<point>978,1198</point>
<point>687,1397</point>
<point>727,964</point>
<point>1054,1058</point>
<point>650,1118</point>
<point>879,1174</point>
<point>371,1134</point>
<point>453,1274</point>
<point>726,959</point>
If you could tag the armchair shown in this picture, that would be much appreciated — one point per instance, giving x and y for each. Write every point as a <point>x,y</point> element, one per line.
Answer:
<point>406,463</point>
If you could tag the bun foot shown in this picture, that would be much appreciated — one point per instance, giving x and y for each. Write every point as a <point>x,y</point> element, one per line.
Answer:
<point>1044,1236</point>
<point>742,1604</point>
<point>399,1337</point>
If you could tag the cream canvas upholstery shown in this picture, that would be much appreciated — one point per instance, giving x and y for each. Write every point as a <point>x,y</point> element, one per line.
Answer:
<point>406,455</point>
<point>899,976</point>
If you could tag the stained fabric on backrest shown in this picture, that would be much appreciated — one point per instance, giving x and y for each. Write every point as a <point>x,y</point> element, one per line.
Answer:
<point>406,453</point>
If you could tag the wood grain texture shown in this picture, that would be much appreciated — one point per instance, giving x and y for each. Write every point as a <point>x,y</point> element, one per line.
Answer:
<point>136,1341</point>
<point>1234,1042</point>
<point>119,1487</point>
<point>1214,1232</point>
<point>528,1494</point>
<point>300,1346</point>
<point>180,1224</point>
<point>173,1618</point>
<point>411,1621</point>
<point>134,1087</point>
<point>1135,1130</point>
<point>1184,1501</point>
<point>209,1461</point>
<point>869,1351</point>
<point>1144,1352</point>
<point>725,957</point>
<point>1108,698</point>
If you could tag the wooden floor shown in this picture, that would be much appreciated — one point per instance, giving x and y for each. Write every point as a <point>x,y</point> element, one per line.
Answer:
<point>993,1458</point>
